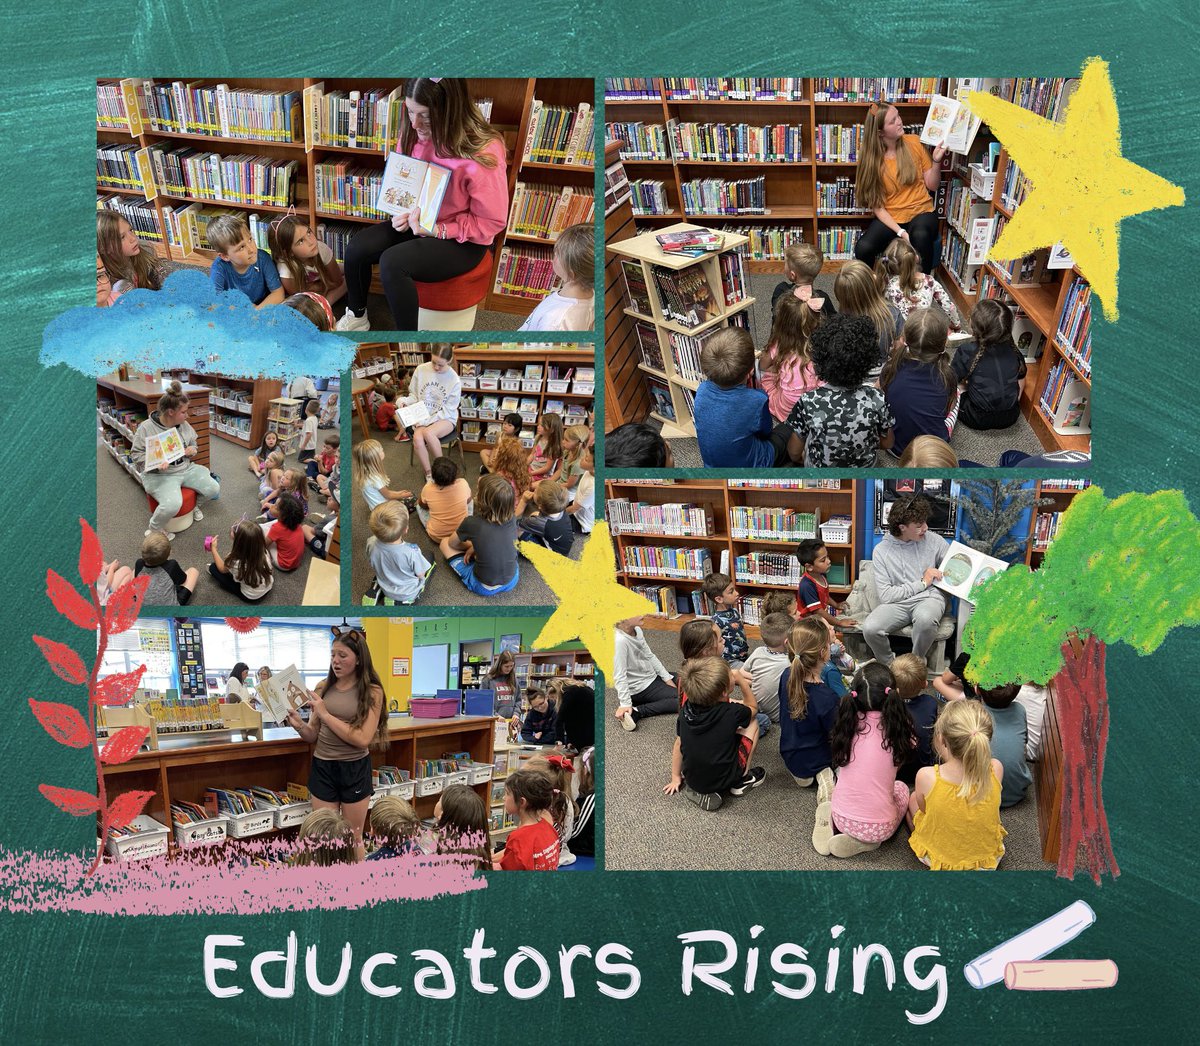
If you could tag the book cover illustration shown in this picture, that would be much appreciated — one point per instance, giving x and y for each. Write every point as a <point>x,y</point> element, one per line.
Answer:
<point>409,183</point>
<point>163,448</point>
<point>964,569</point>
<point>283,692</point>
<point>414,414</point>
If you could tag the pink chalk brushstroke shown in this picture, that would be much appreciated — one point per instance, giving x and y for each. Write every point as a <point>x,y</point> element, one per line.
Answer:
<point>194,883</point>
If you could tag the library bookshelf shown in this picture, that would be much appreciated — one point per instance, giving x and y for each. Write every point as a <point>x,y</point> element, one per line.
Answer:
<point>677,371</point>
<point>330,183</point>
<point>123,403</point>
<point>527,378</point>
<point>538,669</point>
<point>1043,523</point>
<point>183,766</point>
<point>238,406</point>
<point>723,504</point>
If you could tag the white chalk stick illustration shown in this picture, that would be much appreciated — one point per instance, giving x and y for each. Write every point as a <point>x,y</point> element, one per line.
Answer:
<point>1035,943</point>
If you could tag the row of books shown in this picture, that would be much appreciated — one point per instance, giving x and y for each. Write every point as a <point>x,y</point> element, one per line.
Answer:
<point>771,524</point>
<point>648,196</point>
<point>738,142</point>
<point>1045,529</point>
<point>434,767</point>
<point>685,296</point>
<point>389,775</point>
<point>766,243</point>
<point>116,167</point>
<point>1066,484</point>
<point>733,277</point>
<point>838,197</point>
<point>963,208</point>
<point>344,188</point>
<point>1064,399</point>
<point>229,179</point>
<point>956,255</point>
<point>722,196</point>
<point>733,88</point>
<point>560,134</point>
<point>219,801</point>
<point>785,484</point>
<point>873,88</point>
<point>141,215</point>
<point>539,210</point>
<point>767,568</point>
<point>655,561</point>
<point>184,813</point>
<point>368,119</point>
<point>622,88</point>
<point>616,187</point>
<point>1015,186</point>
<point>525,271</point>
<point>639,141</point>
<point>1074,335</point>
<point>177,715</point>
<point>678,519</point>
<point>837,143</point>
<point>685,352</point>
<point>1044,96</point>
<point>214,110</point>
<point>647,339</point>
<point>836,242</point>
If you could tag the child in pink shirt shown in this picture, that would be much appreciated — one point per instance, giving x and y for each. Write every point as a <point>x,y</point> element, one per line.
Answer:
<point>871,738</point>
<point>785,370</point>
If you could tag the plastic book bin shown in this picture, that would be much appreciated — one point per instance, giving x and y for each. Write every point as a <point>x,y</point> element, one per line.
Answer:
<point>183,518</point>
<point>433,707</point>
<point>149,840</point>
<point>451,304</point>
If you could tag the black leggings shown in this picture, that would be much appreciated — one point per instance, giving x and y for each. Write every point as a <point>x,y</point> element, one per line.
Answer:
<point>227,581</point>
<point>922,234</point>
<point>403,257</point>
<point>658,698</point>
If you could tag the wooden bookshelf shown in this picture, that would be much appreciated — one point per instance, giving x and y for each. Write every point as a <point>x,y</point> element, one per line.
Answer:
<point>260,392</point>
<point>183,767</point>
<point>644,251</point>
<point>720,497</point>
<point>512,103</point>
<point>537,669</point>
<point>142,396</point>
<point>1060,501</point>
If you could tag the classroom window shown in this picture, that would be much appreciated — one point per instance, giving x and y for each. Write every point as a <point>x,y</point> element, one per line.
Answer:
<point>306,647</point>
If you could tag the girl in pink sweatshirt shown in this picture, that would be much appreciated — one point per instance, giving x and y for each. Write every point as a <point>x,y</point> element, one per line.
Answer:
<point>440,124</point>
<point>785,370</point>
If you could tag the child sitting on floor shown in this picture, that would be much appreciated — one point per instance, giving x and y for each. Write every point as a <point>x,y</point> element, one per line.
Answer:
<point>734,426</point>
<point>810,705</point>
<point>909,673</point>
<point>511,461</point>
<point>920,386</point>
<point>572,306</point>
<point>284,536</point>
<point>258,460</point>
<point>510,428</point>
<point>802,263</point>
<point>292,482</point>
<point>715,738</point>
<point>583,509</point>
<point>546,460</point>
<point>859,295</point>
<point>724,594</point>
<point>990,369</point>
<point>395,826</point>
<point>767,663</point>
<point>240,264</point>
<point>812,595</point>
<point>246,572</point>
<point>483,551</point>
<point>533,845</point>
<point>551,526</point>
<point>401,571</point>
<point>844,422</point>
<point>369,476</point>
<point>900,280</point>
<point>326,839</point>
<point>326,462</point>
<point>461,830</point>
<point>445,501</point>
<point>575,443</point>
<point>702,638</point>
<point>271,476</point>
<point>170,584</point>
<point>330,413</point>
<point>785,371</point>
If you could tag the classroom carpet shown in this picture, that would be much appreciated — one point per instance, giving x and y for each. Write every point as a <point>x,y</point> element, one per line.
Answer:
<point>768,829</point>
<point>981,447</point>
<point>444,587</point>
<point>123,516</point>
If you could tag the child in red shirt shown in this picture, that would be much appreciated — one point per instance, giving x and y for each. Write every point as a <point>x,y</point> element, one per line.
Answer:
<point>285,538</point>
<point>533,845</point>
<point>812,597</point>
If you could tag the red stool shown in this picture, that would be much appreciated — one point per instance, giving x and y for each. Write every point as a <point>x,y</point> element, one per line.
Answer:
<point>183,518</point>
<point>451,304</point>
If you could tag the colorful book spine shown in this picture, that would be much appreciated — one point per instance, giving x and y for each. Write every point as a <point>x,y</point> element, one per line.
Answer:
<point>648,196</point>
<point>739,142</point>
<point>704,196</point>
<point>837,143</point>
<point>1074,336</point>
<point>776,569</point>
<point>525,271</point>
<point>345,190</point>
<point>838,197</point>
<point>630,88</point>
<point>734,88</point>
<point>656,561</point>
<point>870,89</point>
<point>677,519</point>
<point>639,141</point>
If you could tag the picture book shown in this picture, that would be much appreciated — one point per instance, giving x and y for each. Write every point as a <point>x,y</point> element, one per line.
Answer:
<point>283,692</point>
<point>951,123</point>
<point>163,448</point>
<point>414,414</point>
<point>409,183</point>
<point>964,569</point>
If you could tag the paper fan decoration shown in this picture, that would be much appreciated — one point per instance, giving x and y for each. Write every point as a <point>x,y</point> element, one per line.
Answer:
<point>243,625</point>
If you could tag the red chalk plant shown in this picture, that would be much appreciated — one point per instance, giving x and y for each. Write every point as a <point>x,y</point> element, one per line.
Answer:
<point>1126,571</point>
<point>64,722</point>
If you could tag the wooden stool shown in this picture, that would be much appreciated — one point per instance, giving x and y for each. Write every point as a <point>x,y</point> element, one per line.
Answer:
<point>183,518</point>
<point>451,304</point>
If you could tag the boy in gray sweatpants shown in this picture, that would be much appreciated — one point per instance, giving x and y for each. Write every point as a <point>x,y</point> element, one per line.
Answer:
<point>905,565</point>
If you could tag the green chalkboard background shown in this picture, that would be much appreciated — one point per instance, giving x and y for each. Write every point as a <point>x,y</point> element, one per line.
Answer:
<point>84,979</point>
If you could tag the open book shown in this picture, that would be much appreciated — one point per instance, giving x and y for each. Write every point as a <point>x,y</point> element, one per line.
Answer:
<point>163,448</point>
<point>414,414</point>
<point>409,183</point>
<point>283,692</point>
<point>950,122</point>
<point>964,569</point>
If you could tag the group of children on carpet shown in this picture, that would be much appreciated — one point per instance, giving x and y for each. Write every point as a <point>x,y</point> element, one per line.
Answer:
<point>834,387</point>
<point>538,795</point>
<point>881,752</point>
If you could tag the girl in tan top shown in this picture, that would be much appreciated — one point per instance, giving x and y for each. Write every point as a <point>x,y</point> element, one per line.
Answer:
<point>348,718</point>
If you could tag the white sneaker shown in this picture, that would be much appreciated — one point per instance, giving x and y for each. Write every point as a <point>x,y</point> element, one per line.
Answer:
<point>627,722</point>
<point>350,322</point>
<point>565,857</point>
<point>197,515</point>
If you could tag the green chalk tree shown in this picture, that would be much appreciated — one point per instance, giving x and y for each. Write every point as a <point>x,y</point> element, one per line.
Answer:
<point>1124,571</point>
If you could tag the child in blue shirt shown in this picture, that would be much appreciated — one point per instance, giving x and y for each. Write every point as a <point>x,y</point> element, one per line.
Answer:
<point>240,265</point>
<point>734,426</point>
<point>401,571</point>
<point>722,591</point>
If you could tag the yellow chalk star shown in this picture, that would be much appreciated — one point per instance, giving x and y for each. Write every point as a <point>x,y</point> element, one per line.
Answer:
<point>1082,186</point>
<point>590,601</point>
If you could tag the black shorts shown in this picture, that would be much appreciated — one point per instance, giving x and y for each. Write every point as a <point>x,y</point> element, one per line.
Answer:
<point>335,781</point>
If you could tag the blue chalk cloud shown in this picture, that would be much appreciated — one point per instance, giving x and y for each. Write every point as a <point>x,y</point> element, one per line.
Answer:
<point>190,324</point>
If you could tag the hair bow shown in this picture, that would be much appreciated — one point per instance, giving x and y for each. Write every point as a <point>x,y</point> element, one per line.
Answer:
<point>804,294</point>
<point>562,763</point>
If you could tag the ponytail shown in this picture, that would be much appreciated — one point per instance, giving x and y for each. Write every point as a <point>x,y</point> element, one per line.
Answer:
<point>965,729</point>
<point>808,646</point>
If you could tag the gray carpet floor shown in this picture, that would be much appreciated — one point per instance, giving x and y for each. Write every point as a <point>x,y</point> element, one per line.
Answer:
<point>444,587</point>
<point>123,516</point>
<point>984,448</point>
<point>769,829</point>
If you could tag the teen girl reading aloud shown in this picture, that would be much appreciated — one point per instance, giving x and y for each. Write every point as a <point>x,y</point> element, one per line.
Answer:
<point>348,719</point>
<point>440,124</point>
<point>437,386</point>
<point>894,179</point>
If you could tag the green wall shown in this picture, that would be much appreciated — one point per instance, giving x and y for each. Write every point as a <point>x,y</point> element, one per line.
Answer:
<point>456,630</point>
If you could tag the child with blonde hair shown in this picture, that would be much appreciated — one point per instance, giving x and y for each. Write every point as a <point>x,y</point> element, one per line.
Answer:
<point>928,452</point>
<point>326,839</point>
<point>805,722</point>
<point>954,810</point>
<point>802,264</point>
<point>551,527</point>
<point>395,825</point>
<point>369,476</point>
<point>240,264</point>
<point>899,278</point>
<point>918,382</point>
<point>401,571</point>
<point>575,442</point>
<point>170,584</point>
<point>572,306</point>
<point>483,550</point>
<point>858,295</point>
<point>785,371</point>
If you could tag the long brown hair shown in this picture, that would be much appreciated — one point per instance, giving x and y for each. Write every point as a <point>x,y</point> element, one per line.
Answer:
<point>859,295</point>
<point>808,647</point>
<point>368,681</point>
<point>462,828</point>
<point>791,334</point>
<point>509,677</point>
<point>455,122</point>
<point>248,552</point>
<point>141,270</point>
<point>901,260</point>
<point>552,440</point>
<point>991,327</point>
<point>280,237</point>
<point>925,333</point>
<point>868,182</point>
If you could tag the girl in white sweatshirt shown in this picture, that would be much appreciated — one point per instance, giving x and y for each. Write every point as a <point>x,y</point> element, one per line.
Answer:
<point>644,686</point>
